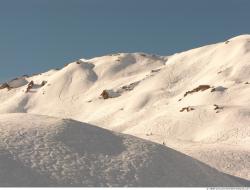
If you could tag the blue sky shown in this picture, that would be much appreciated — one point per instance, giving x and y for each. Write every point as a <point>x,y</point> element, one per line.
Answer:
<point>37,35</point>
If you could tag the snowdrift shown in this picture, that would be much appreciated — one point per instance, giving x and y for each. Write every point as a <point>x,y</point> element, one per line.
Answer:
<point>39,150</point>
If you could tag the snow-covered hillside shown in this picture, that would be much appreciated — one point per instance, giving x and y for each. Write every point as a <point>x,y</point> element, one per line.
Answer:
<point>196,102</point>
<point>39,150</point>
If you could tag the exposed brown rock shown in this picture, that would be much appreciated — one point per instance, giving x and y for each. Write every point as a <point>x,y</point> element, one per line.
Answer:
<point>218,108</point>
<point>30,86</point>
<point>105,94</point>
<point>188,109</point>
<point>213,90</point>
<point>199,88</point>
<point>43,83</point>
<point>155,70</point>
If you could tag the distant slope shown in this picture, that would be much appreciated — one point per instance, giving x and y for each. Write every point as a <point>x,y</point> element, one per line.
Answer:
<point>158,98</point>
<point>45,151</point>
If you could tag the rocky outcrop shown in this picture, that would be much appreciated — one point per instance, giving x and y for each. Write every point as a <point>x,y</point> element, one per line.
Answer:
<point>188,109</point>
<point>109,94</point>
<point>30,86</point>
<point>199,88</point>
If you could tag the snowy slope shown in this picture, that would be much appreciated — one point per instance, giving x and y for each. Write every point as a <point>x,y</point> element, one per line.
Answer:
<point>157,98</point>
<point>45,151</point>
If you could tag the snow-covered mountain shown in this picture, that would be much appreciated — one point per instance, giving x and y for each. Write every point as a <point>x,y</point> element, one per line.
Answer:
<point>196,102</point>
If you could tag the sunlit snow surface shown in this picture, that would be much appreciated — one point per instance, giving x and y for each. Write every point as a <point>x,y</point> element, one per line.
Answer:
<point>150,92</point>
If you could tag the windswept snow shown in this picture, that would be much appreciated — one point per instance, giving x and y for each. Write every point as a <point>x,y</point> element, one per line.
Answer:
<point>39,150</point>
<point>196,102</point>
